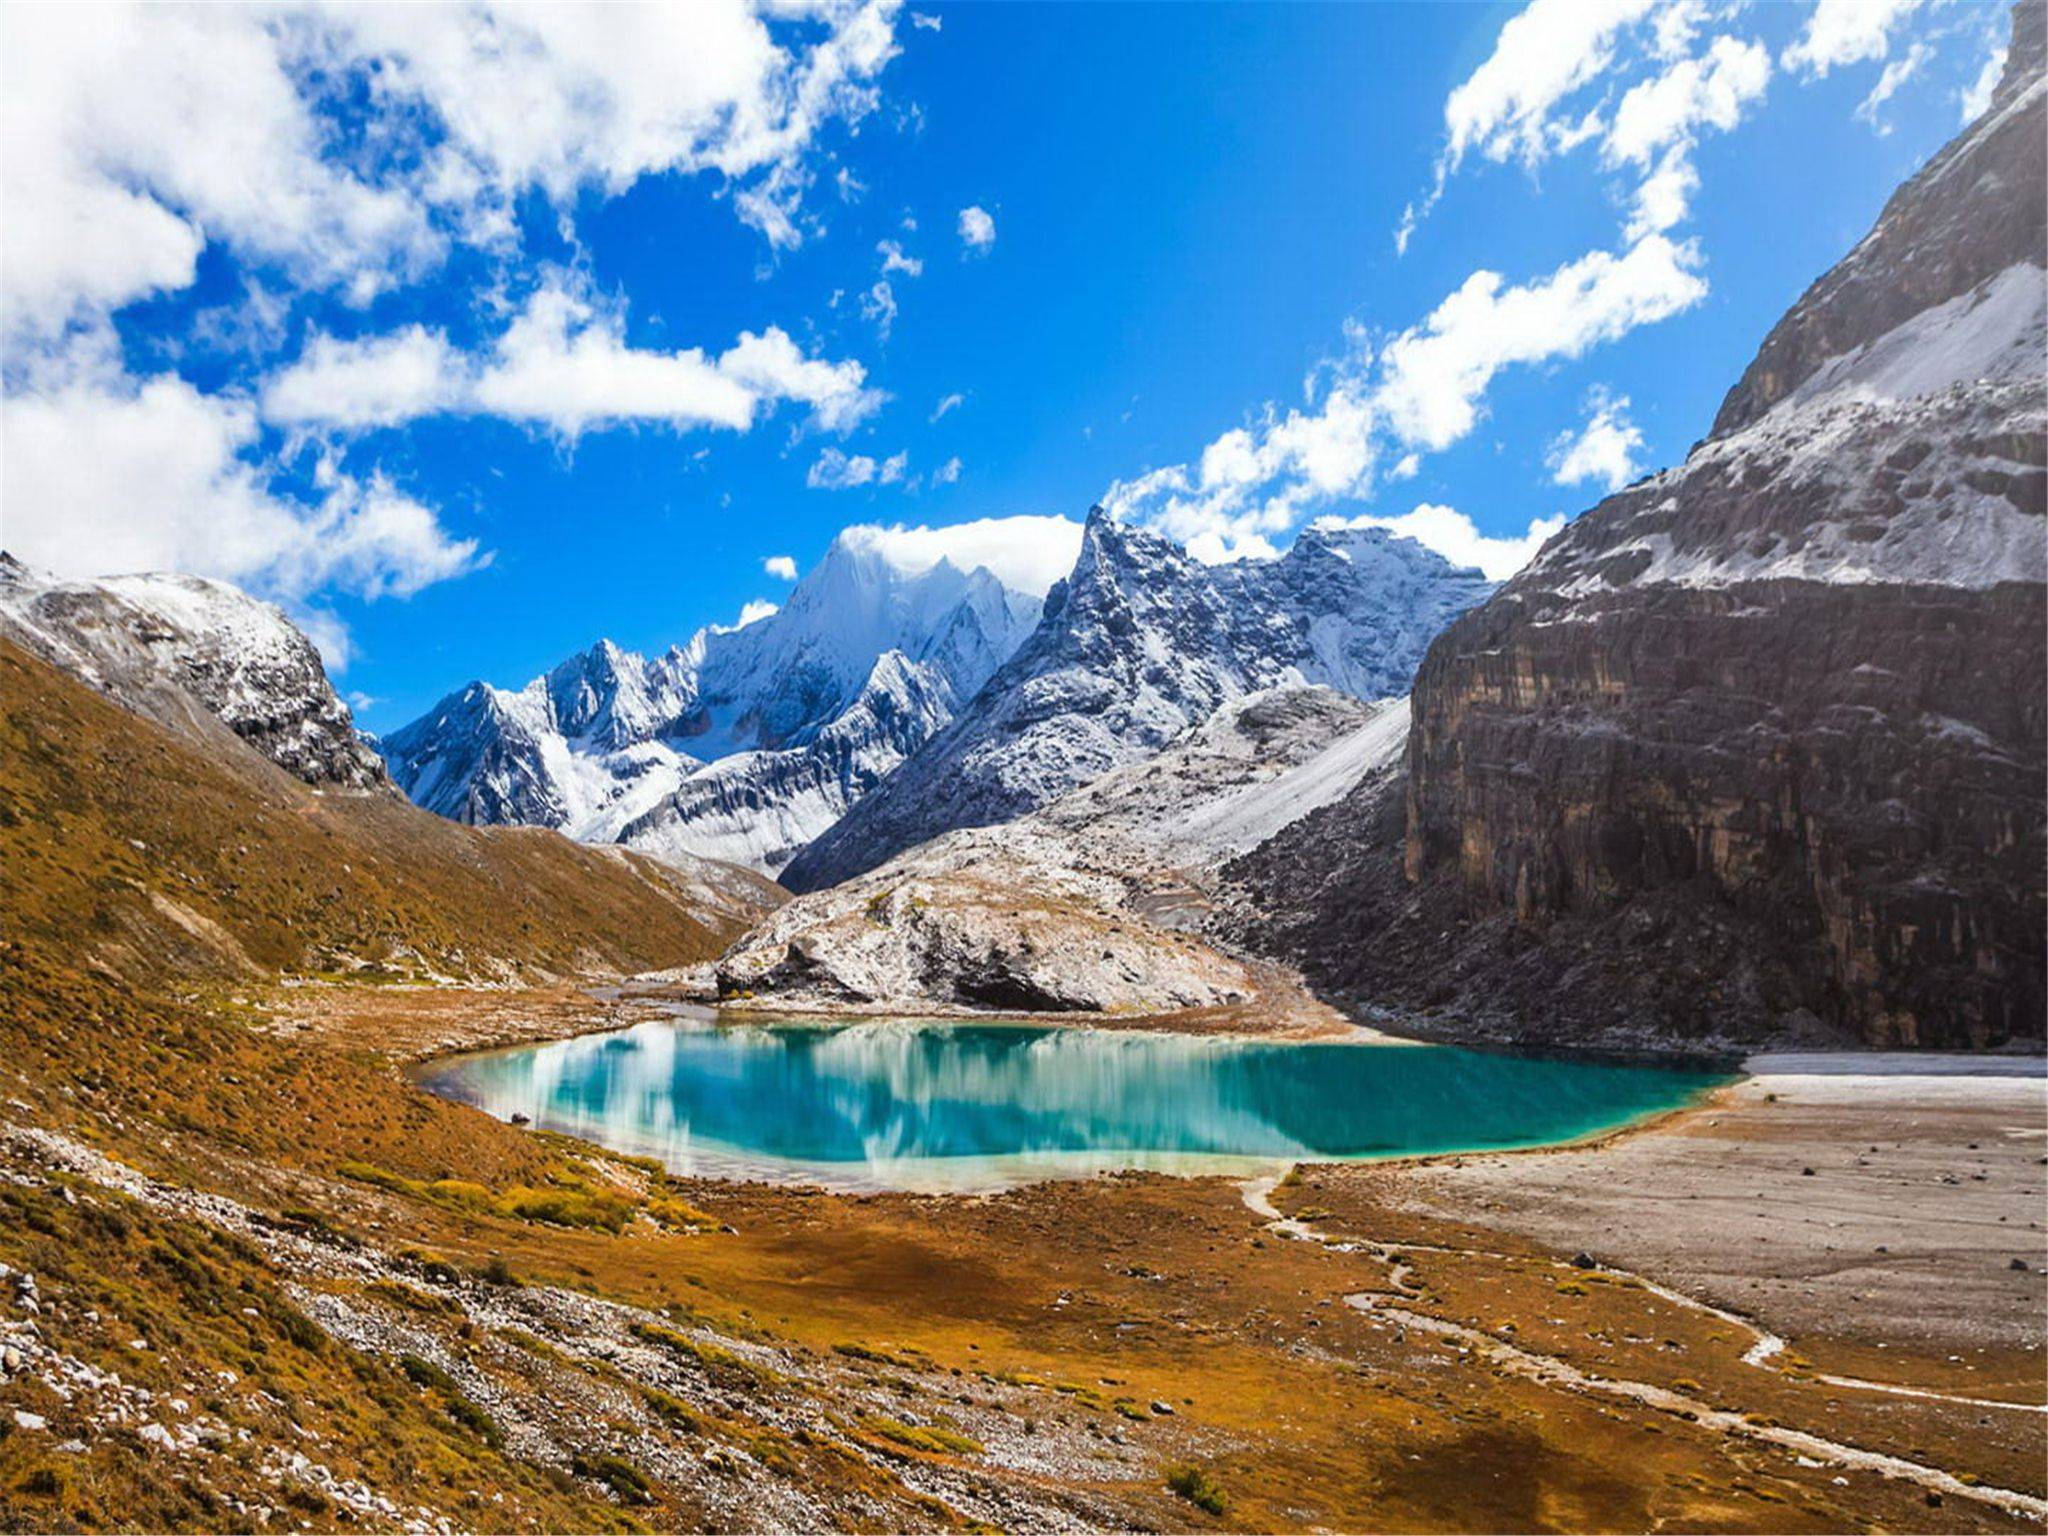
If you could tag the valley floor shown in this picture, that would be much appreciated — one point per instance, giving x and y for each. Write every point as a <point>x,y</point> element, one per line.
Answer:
<point>215,1340</point>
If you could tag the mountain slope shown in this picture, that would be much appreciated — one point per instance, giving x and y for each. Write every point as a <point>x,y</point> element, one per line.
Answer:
<point>138,853</point>
<point>161,643</point>
<point>745,743</point>
<point>1136,645</point>
<point>1755,748</point>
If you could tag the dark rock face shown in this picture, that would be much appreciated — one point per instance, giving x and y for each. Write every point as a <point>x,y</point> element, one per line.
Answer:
<point>1857,770</point>
<point>1756,749</point>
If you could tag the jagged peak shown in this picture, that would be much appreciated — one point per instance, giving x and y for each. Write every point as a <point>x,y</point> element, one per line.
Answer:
<point>1333,538</point>
<point>2026,57</point>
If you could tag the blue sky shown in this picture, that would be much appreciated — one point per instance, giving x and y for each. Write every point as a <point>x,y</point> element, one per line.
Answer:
<point>467,371</point>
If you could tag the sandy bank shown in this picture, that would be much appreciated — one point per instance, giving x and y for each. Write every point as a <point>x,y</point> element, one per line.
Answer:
<point>1876,1199</point>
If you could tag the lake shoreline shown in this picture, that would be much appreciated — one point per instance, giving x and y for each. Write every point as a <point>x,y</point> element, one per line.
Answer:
<point>970,1107</point>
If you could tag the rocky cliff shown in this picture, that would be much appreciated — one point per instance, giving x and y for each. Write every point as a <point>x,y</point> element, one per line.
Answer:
<point>1755,748</point>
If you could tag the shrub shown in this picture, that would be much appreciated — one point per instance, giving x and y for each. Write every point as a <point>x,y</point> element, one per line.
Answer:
<point>932,1439</point>
<point>1197,1487</point>
<point>873,1356</point>
<point>567,1207</point>
<point>460,1192</point>
<point>498,1272</point>
<point>680,1213</point>
<point>472,1418</point>
<point>424,1373</point>
<point>624,1479</point>
<point>672,1411</point>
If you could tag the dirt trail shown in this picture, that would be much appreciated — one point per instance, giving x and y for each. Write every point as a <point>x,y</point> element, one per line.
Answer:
<point>1551,1371</point>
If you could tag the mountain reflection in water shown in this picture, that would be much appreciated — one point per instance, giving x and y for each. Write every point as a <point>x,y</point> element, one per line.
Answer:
<point>913,1104</point>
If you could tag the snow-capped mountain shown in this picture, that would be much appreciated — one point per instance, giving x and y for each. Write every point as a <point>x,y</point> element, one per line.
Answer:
<point>584,742</point>
<point>1140,642</point>
<point>745,743</point>
<point>170,647</point>
<point>759,808</point>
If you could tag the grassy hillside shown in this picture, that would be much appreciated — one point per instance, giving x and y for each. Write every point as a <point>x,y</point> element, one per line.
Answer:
<point>133,853</point>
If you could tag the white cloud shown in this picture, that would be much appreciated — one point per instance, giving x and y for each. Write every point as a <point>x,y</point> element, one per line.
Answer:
<point>1436,374</point>
<point>1547,52</point>
<point>1027,554</point>
<point>782,567</point>
<point>1659,120</point>
<point>947,472</point>
<point>103,473</point>
<point>878,305</point>
<point>1256,481</point>
<point>564,364</point>
<point>1550,85</point>
<point>1664,197</point>
<point>1605,450</point>
<point>951,402</point>
<point>1976,101</point>
<point>1842,32</point>
<point>1896,73</point>
<point>138,133</point>
<point>926,23</point>
<point>775,368</point>
<point>756,610</point>
<point>977,228</point>
<point>836,471</point>
<point>1454,536</point>
<point>377,381</point>
<point>894,260</point>
<point>1669,109</point>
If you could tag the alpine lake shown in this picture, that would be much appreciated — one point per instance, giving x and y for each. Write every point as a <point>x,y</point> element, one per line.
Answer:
<point>947,1106</point>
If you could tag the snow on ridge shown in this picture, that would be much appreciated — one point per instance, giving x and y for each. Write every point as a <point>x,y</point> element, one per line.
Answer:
<point>239,659</point>
<point>866,658</point>
<point>1998,330</point>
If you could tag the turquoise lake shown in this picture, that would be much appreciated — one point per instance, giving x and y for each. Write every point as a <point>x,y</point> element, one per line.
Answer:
<point>923,1105</point>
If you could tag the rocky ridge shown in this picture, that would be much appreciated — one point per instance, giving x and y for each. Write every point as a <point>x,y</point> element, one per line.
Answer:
<point>1095,903</point>
<point>1137,645</point>
<point>189,652</point>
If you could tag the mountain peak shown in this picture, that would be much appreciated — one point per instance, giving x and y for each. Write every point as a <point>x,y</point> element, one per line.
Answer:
<point>144,639</point>
<point>605,738</point>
